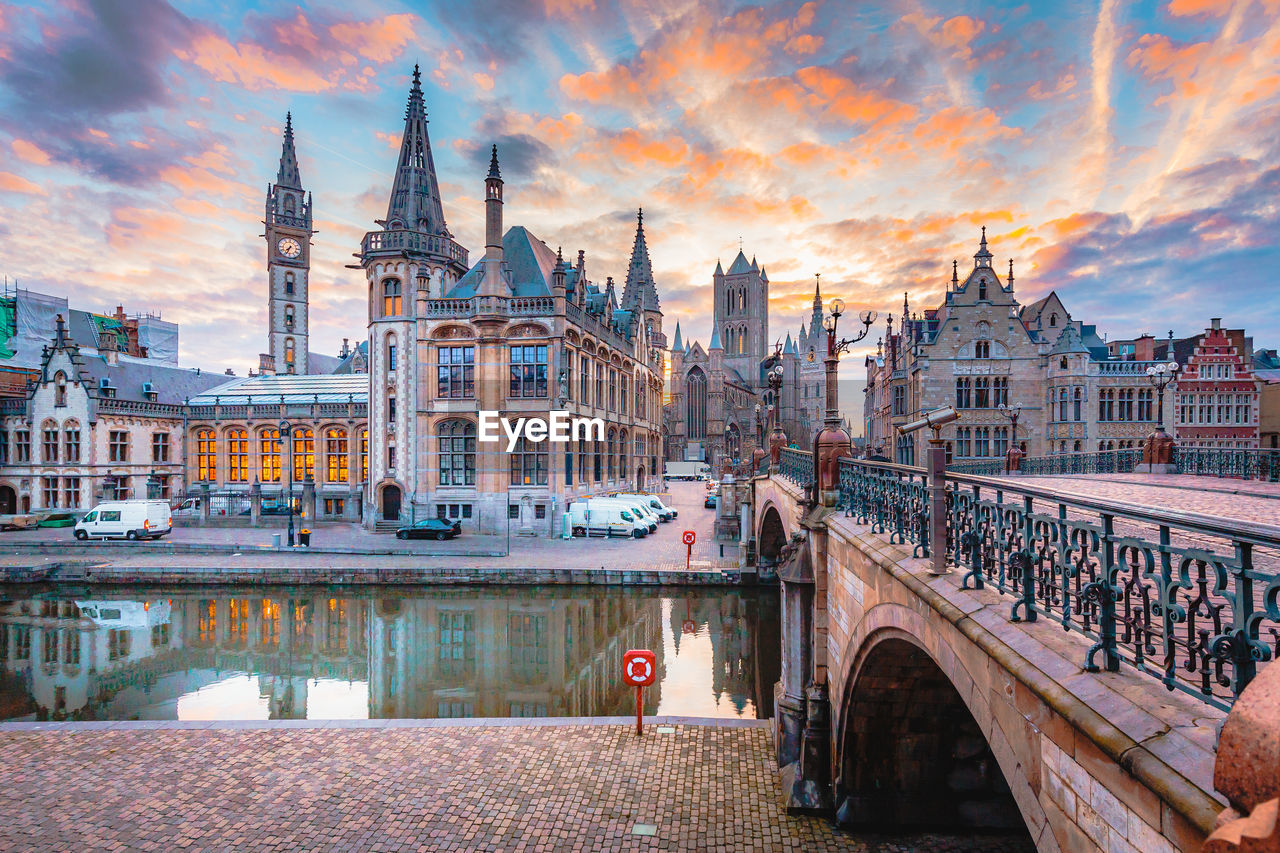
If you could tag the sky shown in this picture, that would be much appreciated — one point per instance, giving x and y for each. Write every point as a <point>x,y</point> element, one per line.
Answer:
<point>1126,155</point>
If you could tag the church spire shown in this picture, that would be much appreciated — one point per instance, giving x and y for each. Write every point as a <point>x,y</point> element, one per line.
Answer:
<point>288,175</point>
<point>415,196</point>
<point>639,291</point>
<point>677,345</point>
<point>982,258</point>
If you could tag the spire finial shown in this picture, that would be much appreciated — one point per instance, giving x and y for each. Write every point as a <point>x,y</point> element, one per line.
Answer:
<point>1011,271</point>
<point>417,77</point>
<point>493,163</point>
<point>955,272</point>
<point>640,216</point>
<point>984,236</point>
<point>288,123</point>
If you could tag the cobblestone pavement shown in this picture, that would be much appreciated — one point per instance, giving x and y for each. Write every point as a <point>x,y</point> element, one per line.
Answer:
<point>574,787</point>
<point>1246,500</point>
<point>660,550</point>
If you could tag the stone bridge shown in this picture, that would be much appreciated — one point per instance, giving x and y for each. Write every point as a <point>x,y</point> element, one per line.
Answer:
<point>909,698</point>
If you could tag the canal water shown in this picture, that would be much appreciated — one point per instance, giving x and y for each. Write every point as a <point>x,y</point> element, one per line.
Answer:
<point>320,653</point>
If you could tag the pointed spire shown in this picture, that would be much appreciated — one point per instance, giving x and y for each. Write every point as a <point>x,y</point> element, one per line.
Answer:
<point>803,333</point>
<point>1010,272</point>
<point>754,268</point>
<point>789,348</point>
<point>288,175</point>
<point>764,276</point>
<point>677,345</point>
<point>415,196</point>
<point>982,258</point>
<point>493,164</point>
<point>715,338</point>
<point>906,307</point>
<point>740,265</point>
<point>955,274</point>
<point>719,269</point>
<point>817,293</point>
<point>640,291</point>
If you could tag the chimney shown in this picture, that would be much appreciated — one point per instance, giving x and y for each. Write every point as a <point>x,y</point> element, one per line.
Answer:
<point>1215,323</point>
<point>109,347</point>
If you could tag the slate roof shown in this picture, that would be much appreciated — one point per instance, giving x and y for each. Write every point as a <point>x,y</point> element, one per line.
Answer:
<point>740,265</point>
<point>327,388</point>
<point>173,385</point>
<point>529,262</point>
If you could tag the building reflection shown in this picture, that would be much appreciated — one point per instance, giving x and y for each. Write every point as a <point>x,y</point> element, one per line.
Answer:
<point>421,653</point>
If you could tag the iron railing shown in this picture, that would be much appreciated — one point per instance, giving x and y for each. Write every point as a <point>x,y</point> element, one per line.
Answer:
<point>1254,464</point>
<point>797,466</point>
<point>1099,462</point>
<point>985,467</point>
<point>1188,599</point>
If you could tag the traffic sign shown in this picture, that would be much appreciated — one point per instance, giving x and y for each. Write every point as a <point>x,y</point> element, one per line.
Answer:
<point>689,627</point>
<point>689,537</point>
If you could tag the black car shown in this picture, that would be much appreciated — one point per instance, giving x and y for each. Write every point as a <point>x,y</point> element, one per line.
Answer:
<point>710,502</point>
<point>431,528</point>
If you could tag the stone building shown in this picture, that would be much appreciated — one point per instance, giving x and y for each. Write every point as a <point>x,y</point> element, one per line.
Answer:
<point>94,426</point>
<point>714,391</point>
<point>1217,392</point>
<point>521,333</point>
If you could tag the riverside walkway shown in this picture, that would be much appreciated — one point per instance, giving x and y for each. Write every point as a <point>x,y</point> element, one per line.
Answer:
<point>387,785</point>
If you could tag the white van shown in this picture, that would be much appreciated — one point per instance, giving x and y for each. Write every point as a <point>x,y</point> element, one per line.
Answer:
<point>638,509</point>
<point>128,519</point>
<point>664,512</point>
<point>594,518</point>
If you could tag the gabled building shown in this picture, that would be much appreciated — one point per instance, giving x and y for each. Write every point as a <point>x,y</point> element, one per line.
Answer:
<point>1218,393</point>
<point>520,333</point>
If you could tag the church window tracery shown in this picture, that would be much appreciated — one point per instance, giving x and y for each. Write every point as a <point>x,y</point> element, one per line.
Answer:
<point>696,404</point>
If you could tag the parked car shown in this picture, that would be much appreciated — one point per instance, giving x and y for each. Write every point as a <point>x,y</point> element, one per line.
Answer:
<point>138,519</point>
<point>430,528</point>
<point>711,500</point>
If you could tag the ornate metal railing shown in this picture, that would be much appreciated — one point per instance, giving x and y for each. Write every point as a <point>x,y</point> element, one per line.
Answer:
<point>1261,464</point>
<point>797,466</point>
<point>985,467</point>
<point>1100,462</point>
<point>1191,600</point>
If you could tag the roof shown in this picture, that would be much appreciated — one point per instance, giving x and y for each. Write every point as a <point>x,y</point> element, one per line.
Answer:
<point>1268,375</point>
<point>293,388</point>
<point>741,265</point>
<point>318,362</point>
<point>529,261</point>
<point>172,385</point>
<point>639,289</point>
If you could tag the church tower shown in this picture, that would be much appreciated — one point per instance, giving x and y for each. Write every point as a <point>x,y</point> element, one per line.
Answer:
<point>640,293</point>
<point>409,259</point>
<point>288,233</point>
<point>742,316</point>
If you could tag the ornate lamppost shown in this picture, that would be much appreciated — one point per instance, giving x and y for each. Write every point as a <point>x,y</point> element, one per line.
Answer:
<point>1013,456</point>
<point>1157,453</point>
<point>777,438</point>
<point>832,441</point>
<point>286,461</point>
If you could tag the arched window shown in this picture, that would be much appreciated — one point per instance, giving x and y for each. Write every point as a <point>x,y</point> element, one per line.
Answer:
<point>696,404</point>
<point>964,398</point>
<point>288,317</point>
<point>49,442</point>
<point>206,456</point>
<point>237,456</point>
<point>1053,319</point>
<point>71,441</point>
<point>288,284</point>
<point>290,206</point>
<point>269,455</point>
<point>391,352</point>
<point>364,455</point>
<point>733,443</point>
<point>337,455</point>
<point>288,355</point>
<point>982,288</point>
<point>1062,404</point>
<point>1077,402</point>
<point>391,297</point>
<point>609,457</point>
<point>59,389</point>
<point>304,453</point>
<point>982,349</point>
<point>623,457</point>
<point>456,442</point>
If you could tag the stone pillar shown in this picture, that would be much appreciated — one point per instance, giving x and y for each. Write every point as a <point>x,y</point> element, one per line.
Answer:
<point>1013,460</point>
<point>255,503</point>
<point>204,504</point>
<point>1157,452</point>
<point>309,501</point>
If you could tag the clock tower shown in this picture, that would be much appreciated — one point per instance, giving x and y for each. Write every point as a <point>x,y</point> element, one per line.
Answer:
<point>288,233</point>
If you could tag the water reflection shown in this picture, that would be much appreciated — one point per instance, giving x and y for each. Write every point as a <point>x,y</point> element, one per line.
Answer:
<point>321,654</point>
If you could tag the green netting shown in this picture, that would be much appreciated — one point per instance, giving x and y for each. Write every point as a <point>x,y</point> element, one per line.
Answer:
<point>8,326</point>
<point>112,326</point>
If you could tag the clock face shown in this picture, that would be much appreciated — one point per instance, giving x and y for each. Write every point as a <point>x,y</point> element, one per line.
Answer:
<point>289,247</point>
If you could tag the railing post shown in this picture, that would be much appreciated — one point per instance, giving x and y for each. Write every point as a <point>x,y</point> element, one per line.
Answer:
<point>937,506</point>
<point>1103,591</point>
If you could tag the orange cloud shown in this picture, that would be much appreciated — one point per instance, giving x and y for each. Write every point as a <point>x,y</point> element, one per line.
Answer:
<point>1157,57</point>
<point>484,81</point>
<point>381,40</point>
<point>1197,7</point>
<point>12,183</point>
<point>30,152</point>
<point>632,147</point>
<point>131,226</point>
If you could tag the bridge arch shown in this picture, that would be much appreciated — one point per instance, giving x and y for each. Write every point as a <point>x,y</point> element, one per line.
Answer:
<point>917,743</point>
<point>771,536</point>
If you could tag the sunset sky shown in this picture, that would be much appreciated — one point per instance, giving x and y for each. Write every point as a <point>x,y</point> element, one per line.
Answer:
<point>1125,154</point>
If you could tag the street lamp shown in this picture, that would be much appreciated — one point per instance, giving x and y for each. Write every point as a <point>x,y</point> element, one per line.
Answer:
<point>286,453</point>
<point>759,425</point>
<point>1160,376</point>
<point>1014,454</point>
<point>835,346</point>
